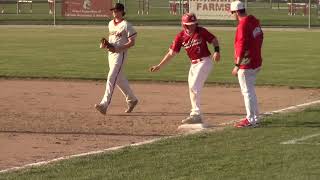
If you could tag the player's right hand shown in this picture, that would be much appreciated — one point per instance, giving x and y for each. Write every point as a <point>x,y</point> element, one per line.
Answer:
<point>235,71</point>
<point>154,68</point>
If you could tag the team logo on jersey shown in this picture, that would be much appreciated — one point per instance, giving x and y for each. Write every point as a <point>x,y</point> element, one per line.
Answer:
<point>246,59</point>
<point>116,33</point>
<point>191,43</point>
<point>256,32</point>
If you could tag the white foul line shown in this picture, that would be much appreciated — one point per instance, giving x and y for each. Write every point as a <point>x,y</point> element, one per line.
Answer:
<point>79,155</point>
<point>276,111</point>
<point>308,143</point>
<point>296,141</point>
<point>293,107</point>
<point>137,144</point>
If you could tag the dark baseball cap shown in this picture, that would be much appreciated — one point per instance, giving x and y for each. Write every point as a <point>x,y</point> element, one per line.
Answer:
<point>118,6</point>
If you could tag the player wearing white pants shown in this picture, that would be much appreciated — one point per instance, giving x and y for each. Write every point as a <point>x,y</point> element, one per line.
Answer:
<point>248,61</point>
<point>117,78</point>
<point>121,37</point>
<point>194,39</point>
<point>247,79</point>
<point>198,74</point>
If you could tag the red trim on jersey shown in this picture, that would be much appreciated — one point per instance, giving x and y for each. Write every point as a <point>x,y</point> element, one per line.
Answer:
<point>195,44</point>
<point>132,35</point>
<point>116,23</point>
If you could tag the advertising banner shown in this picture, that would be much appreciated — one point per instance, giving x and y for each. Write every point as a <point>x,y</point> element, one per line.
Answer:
<point>211,9</point>
<point>86,8</point>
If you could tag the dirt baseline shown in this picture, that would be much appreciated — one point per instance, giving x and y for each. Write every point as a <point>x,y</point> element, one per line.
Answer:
<point>46,119</point>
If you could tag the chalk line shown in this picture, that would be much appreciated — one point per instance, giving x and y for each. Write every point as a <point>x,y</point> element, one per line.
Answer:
<point>296,141</point>
<point>145,142</point>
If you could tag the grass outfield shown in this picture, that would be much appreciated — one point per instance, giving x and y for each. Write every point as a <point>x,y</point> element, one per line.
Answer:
<point>159,14</point>
<point>252,153</point>
<point>290,58</point>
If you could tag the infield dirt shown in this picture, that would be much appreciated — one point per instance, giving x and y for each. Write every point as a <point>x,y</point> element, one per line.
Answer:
<point>46,119</point>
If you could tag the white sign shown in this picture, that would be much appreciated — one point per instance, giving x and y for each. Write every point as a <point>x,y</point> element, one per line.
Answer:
<point>211,9</point>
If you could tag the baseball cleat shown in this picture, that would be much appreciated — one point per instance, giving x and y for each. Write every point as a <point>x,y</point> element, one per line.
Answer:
<point>245,123</point>
<point>131,106</point>
<point>101,108</point>
<point>193,119</point>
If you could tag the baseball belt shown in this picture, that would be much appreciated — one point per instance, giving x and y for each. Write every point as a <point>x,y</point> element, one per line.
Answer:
<point>195,61</point>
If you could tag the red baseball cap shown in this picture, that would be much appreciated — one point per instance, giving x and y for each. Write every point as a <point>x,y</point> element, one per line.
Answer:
<point>188,19</point>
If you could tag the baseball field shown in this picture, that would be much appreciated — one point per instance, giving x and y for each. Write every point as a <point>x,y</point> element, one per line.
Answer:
<point>277,15</point>
<point>52,76</point>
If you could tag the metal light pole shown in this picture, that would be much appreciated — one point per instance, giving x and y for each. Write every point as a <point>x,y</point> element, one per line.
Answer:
<point>54,12</point>
<point>309,24</point>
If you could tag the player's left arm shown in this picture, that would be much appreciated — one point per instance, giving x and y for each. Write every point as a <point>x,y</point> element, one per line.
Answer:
<point>212,39</point>
<point>216,54</point>
<point>129,44</point>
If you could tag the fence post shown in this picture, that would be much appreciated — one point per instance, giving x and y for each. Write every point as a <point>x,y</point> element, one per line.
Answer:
<point>54,12</point>
<point>309,23</point>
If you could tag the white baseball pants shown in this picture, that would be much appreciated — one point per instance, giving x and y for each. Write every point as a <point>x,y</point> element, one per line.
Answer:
<point>247,79</point>
<point>198,74</point>
<point>116,77</point>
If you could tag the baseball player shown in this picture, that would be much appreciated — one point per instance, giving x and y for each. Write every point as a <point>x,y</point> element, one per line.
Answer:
<point>121,37</point>
<point>194,39</point>
<point>248,60</point>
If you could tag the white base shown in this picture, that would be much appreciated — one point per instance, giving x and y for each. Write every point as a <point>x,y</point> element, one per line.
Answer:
<point>192,127</point>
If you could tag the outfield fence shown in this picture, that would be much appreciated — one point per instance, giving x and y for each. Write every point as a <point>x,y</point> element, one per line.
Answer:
<point>293,13</point>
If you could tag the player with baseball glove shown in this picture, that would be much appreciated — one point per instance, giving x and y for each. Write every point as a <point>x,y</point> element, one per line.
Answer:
<point>104,44</point>
<point>121,37</point>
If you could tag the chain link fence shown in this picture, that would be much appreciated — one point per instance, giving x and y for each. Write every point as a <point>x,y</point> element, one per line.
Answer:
<point>293,13</point>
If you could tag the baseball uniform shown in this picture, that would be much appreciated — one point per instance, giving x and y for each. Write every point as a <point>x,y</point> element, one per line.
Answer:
<point>119,33</point>
<point>248,44</point>
<point>200,58</point>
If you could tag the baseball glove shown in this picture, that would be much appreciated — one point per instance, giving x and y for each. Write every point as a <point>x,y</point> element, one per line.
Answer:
<point>104,43</point>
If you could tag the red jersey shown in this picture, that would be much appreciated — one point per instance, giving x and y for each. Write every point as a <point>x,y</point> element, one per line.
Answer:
<point>195,44</point>
<point>248,43</point>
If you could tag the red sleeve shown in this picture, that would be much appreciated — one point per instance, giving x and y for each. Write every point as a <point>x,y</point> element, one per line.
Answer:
<point>208,36</point>
<point>177,43</point>
<point>241,40</point>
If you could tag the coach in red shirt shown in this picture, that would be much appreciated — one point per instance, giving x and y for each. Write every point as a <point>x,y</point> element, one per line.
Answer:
<point>248,61</point>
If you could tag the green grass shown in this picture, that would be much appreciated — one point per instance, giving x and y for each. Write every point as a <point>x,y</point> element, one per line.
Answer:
<point>159,14</point>
<point>290,58</point>
<point>228,154</point>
